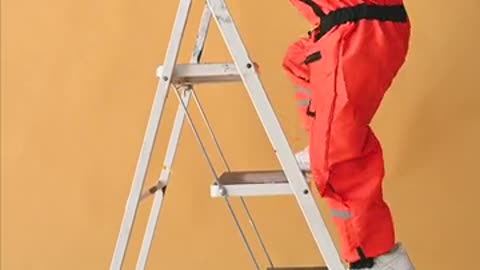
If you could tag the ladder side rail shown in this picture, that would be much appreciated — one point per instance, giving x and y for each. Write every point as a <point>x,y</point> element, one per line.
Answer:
<point>161,95</point>
<point>275,134</point>
<point>172,147</point>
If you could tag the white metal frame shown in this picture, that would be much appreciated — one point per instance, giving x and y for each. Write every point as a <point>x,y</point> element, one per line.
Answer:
<point>244,71</point>
<point>150,136</point>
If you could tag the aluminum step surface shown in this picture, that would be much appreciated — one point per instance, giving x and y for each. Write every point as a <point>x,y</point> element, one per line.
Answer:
<point>252,183</point>
<point>203,73</point>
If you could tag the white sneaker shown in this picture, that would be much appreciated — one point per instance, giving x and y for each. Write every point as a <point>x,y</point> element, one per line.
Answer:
<point>303,159</point>
<point>396,259</point>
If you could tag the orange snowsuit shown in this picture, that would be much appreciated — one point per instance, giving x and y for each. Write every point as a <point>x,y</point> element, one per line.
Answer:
<point>342,71</point>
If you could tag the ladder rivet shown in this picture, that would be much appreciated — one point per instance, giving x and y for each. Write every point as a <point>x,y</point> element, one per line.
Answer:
<point>249,65</point>
<point>305,191</point>
<point>165,78</point>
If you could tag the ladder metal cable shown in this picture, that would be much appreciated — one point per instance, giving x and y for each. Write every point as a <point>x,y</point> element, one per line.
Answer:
<point>242,200</point>
<point>212,169</point>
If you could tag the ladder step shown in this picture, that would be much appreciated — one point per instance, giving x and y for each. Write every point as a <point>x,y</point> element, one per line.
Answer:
<point>299,268</point>
<point>252,183</point>
<point>203,73</point>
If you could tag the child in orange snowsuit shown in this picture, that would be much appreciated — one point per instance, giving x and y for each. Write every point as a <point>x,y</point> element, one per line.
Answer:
<point>342,71</point>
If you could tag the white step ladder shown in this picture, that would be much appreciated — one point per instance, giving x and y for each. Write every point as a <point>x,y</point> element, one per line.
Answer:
<point>288,181</point>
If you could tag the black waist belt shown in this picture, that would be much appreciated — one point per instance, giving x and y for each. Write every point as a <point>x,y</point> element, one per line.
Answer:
<point>396,13</point>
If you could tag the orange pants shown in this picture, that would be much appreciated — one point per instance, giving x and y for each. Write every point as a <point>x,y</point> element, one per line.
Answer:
<point>342,72</point>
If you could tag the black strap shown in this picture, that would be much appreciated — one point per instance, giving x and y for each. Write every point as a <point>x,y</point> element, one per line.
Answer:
<point>308,112</point>
<point>313,57</point>
<point>316,8</point>
<point>364,262</point>
<point>395,13</point>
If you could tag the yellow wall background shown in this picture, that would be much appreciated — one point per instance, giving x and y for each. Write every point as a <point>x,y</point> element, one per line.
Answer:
<point>77,82</point>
